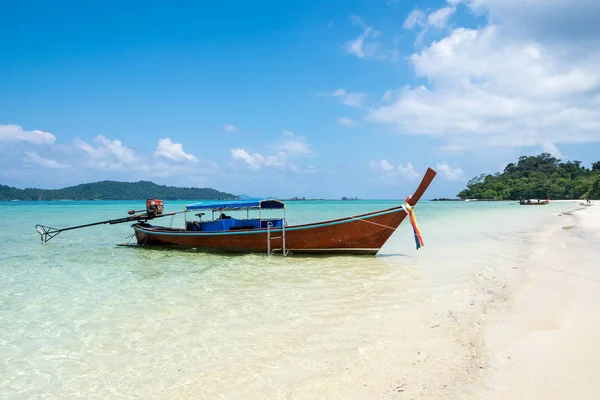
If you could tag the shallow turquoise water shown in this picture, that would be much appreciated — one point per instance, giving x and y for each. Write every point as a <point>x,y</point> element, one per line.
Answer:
<point>82,317</point>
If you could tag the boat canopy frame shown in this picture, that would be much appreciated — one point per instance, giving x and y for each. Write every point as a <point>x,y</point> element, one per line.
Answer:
<point>267,204</point>
<point>237,205</point>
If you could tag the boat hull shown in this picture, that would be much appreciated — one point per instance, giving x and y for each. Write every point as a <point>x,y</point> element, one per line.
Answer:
<point>360,234</point>
<point>353,235</point>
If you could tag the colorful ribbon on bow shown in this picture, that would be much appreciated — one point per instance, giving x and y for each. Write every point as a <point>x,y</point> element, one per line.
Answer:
<point>413,221</point>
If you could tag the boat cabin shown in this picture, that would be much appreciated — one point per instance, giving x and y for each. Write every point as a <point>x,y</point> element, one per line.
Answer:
<point>220,220</point>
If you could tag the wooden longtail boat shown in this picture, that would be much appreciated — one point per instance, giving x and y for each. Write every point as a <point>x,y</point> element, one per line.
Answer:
<point>359,234</point>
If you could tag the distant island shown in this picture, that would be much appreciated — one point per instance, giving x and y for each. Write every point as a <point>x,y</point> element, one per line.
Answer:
<point>446,199</point>
<point>297,198</point>
<point>112,190</point>
<point>537,177</point>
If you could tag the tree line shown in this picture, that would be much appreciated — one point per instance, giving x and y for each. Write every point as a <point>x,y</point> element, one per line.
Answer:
<point>537,177</point>
<point>112,190</point>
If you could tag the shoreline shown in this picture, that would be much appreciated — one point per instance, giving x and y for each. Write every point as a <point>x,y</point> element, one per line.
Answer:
<point>542,342</point>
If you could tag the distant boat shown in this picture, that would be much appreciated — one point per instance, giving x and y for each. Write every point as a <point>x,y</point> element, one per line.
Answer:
<point>534,202</point>
<point>359,234</point>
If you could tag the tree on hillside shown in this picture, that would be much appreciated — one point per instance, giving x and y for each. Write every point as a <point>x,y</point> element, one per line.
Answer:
<point>539,176</point>
<point>111,190</point>
<point>594,192</point>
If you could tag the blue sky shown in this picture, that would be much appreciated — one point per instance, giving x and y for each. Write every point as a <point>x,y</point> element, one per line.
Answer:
<point>307,98</point>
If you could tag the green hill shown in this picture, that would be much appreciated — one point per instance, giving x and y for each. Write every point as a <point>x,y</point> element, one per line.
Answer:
<point>112,190</point>
<point>537,177</point>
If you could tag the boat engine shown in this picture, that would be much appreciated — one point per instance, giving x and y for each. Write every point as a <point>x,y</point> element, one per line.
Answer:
<point>154,207</point>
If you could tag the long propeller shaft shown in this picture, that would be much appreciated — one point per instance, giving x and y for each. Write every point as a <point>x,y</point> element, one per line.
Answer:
<point>47,232</point>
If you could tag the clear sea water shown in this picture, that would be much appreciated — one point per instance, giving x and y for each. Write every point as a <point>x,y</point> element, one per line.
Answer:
<point>82,318</point>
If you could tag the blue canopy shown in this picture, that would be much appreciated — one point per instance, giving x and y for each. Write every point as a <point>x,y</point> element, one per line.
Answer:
<point>268,204</point>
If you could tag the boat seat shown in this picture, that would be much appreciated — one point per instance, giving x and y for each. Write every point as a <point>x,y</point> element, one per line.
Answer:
<point>193,226</point>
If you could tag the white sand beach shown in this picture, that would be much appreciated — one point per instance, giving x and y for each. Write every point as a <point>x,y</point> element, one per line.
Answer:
<point>544,343</point>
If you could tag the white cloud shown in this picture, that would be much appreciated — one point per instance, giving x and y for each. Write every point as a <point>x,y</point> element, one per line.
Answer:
<point>408,171</point>
<point>388,95</point>
<point>358,47</point>
<point>385,165</point>
<point>256,160</point>
<point>540,18</point>
<point>290,147</point>
<point>101,159</point>
<point>345,121</point>
<point>506,84</point>
<point>366,47</point>
<point>392,175</point>
<point>230,128</point>
<point>416,18</point>
<point>110,155</point>
<point>357,20</point>
<point>174,151</point>
<point>113,149</point>
<point>36,159</point>
<point>439,18</point>
<point>116,148</point>
<point>294,147</point>
<point>87,148</point>
<point>552,149</point>
<point>449,173</point>
<point>310,169</point>
<point>435,20</point>
<point>10,133</point>
<point>349,98</point>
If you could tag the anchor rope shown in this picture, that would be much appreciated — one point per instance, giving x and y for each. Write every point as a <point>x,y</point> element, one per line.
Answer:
<point>528,264</point>
<point>374,223</point>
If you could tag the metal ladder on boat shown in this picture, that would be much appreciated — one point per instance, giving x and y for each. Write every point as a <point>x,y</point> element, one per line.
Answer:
<point>271,250</point>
